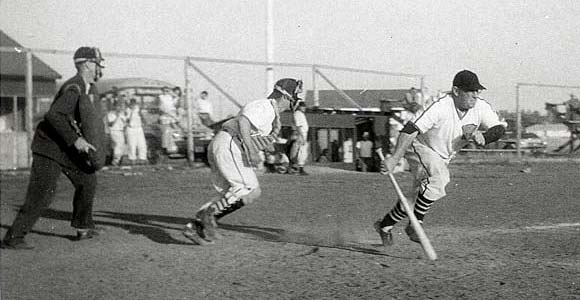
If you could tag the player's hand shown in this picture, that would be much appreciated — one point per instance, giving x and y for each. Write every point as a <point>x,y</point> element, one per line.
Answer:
<point>83,146</point>
<point>255,159</point>
<point>478,138</point>
<point>388,165</point>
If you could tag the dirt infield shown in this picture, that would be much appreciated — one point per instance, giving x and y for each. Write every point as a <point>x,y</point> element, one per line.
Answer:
<point>500,234</point>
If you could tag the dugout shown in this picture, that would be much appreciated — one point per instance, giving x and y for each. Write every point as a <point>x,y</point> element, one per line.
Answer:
<point>334,132</point>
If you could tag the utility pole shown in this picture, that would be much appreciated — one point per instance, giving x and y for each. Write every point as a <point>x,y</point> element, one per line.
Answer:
<point>269,45</point>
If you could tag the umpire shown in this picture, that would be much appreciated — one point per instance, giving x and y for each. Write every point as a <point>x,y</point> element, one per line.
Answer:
<point>69,140</point>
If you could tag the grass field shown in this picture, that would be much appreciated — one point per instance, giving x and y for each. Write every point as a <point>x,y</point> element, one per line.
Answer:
<point>499,234</point>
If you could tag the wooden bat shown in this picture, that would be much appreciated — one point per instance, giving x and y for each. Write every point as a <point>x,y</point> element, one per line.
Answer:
<point>425,243</point>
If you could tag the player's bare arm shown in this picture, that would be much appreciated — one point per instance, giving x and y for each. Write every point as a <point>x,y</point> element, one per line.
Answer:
<point>404,141</point>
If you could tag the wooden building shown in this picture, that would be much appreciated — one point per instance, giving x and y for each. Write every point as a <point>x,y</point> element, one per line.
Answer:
<point>337,124</point>
<point>14,148</point>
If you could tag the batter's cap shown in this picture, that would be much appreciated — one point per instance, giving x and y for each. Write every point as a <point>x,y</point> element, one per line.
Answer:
<point>92,54</point>
<point>289,87</point>
<point>467,81</point>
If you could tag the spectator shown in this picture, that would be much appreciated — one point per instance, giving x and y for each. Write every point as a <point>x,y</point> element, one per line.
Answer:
<point>116,121</point>
<point>136,144</point>
<point>205,109</point>
<point>167,121</point>
<point>299,147</point>
<point>573,107</point>
<point>347,150</point>
<point>364,150</point>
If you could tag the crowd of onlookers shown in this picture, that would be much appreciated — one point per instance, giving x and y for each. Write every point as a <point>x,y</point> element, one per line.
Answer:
<point>124,125</point>
<point>127,123</point>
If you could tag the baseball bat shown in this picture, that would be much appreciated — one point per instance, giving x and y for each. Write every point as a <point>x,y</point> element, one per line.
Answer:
<point>425,243</point>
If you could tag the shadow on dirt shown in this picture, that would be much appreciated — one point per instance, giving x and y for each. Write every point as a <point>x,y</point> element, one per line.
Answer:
<point>147,225</point>
<point>154,227</point>
<point>284,236</point>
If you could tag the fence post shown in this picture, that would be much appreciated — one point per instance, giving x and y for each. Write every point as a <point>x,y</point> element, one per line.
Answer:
<point>315,94</point>
<point>518,123</point>
<point>188,103</point>
<point>29,104</point>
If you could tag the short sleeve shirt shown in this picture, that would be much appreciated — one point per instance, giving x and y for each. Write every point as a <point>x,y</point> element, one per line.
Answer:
<point>204,106</point>
<point>441,128</point>
<point>261,115</point>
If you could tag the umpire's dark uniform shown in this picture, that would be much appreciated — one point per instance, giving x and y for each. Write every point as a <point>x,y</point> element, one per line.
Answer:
<point>54,152</point>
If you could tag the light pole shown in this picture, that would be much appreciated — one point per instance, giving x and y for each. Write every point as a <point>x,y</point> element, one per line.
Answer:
<point>269,45</point>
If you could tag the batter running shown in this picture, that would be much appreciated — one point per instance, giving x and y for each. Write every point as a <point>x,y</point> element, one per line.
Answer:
<point>234,153</point>
<point>430,142</point>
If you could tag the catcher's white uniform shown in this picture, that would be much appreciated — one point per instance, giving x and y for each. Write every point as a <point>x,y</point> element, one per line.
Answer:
<point>231,155</point>
<point>229,164</point>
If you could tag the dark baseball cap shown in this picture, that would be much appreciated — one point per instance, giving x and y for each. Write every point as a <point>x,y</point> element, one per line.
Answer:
<point>467,81</point>
<point>91,54</point>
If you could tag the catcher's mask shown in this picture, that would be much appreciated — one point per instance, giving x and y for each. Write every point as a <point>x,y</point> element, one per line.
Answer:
<point>291,88</point>
<point>90,54</point>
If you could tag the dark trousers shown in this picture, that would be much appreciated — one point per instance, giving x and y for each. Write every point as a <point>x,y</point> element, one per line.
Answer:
<point>44,176</point>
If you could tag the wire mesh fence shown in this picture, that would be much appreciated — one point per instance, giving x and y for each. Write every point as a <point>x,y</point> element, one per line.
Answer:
<point>228,83</point>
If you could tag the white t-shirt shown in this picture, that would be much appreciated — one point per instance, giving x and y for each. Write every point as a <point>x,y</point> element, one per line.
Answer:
<point>134,117</point>
<point>441,128</point>
<point>261,114</point>
<point>301,123</point>
<point>167,104</point>
<point>204,106</point>
<point>365,148</point>
<point>118,120</point>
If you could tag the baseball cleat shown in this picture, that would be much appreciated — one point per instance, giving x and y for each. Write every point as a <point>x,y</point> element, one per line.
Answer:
<point>386,236</point>
<point>209,223</point>
<point>194,232</point>
<point>16,244</point>
<point>412,234</point>
<point>88,233</point>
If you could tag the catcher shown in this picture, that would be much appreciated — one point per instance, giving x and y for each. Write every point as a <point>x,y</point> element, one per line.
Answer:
<point>233,154</point>
<point>430,141</point>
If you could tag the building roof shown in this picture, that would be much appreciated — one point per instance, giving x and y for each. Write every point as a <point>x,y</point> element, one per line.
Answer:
<point>106,85</point>
<point>14,64</point>
<point>364,98</point>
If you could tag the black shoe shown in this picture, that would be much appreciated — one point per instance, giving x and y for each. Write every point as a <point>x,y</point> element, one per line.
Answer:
<point>85,234</point>
<point>209,223</point>
<point>386,236</point>
<point>410,231</point>
<point>302,172</point>
<point>194,232</point>
<point>16,244</point>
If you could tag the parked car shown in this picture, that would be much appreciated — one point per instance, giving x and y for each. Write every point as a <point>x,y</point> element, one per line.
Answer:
<point>156,154</point>
<point>529,142</point>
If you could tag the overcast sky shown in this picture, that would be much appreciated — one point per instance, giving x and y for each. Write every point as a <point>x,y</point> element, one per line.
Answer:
<point>504,42</point>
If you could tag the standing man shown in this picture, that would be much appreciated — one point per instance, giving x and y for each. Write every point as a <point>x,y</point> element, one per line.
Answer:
<point>205,109</point>
<point>299,147</point>
<point>136,143</point>
<point>69,140</point>
<point>364,150</point>
<point>167,121</point>
<point>431,140</point>
<point>234,153</point>
<point>117,121</point>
